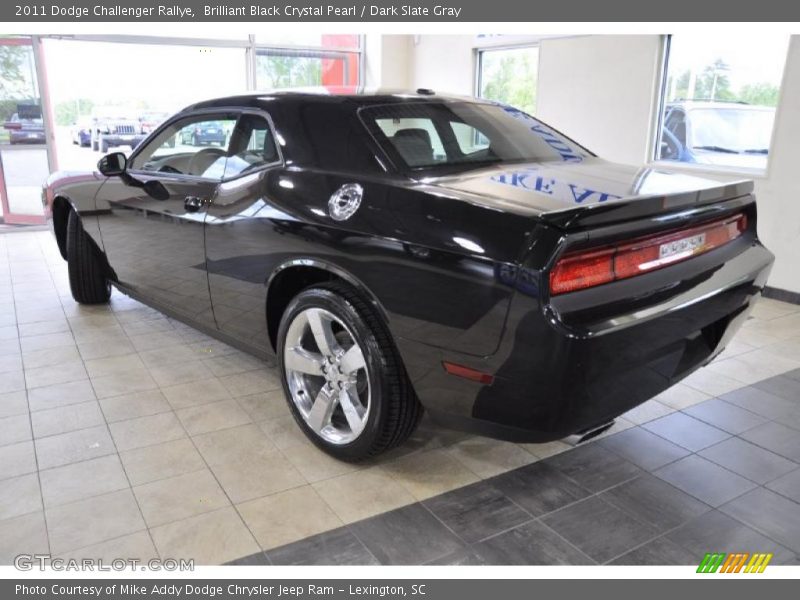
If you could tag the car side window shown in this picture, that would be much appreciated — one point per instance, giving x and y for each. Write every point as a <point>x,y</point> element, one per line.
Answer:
<point>252,145</point>
<point>196,146</point>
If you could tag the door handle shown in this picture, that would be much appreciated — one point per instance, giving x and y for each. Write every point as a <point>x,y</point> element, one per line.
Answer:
<point>193,203</point>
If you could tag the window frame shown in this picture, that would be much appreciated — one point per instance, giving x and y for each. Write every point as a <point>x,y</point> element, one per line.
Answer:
<point>712,169</point>
<point>210,112</point>
<point>315,53</point>
<point>479,52</point>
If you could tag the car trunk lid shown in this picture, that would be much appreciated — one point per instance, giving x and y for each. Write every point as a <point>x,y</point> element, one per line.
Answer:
<point>590,193</point>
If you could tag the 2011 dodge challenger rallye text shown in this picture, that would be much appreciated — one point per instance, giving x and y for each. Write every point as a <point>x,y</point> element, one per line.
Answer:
<point>396,251</point>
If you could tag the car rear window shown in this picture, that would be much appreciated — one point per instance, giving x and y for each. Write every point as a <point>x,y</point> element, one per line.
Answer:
<point>421,135</point>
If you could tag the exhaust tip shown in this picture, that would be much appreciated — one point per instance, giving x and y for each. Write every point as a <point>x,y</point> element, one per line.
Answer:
<point>588,434</point>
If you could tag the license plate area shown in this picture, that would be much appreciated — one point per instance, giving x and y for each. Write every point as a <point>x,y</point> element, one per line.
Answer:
<point>687,245</point>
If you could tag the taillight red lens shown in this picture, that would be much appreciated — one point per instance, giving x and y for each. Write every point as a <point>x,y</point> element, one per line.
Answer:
<point>584,269</point>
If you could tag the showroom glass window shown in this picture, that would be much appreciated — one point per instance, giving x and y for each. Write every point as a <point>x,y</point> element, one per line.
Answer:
<point>719,99</point>
<point>332,61</point>
<point>509,75</point>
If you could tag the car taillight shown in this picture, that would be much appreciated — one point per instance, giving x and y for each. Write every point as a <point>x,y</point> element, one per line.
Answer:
<point>588,268</point>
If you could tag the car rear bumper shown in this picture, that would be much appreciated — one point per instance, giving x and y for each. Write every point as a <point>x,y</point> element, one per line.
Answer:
<point>561,370</point>
<point>26,137</point>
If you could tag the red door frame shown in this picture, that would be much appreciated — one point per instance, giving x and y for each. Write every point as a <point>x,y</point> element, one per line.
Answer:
<point>8,217</point>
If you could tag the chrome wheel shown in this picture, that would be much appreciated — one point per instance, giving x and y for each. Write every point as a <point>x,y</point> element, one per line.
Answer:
<point>327,375</point>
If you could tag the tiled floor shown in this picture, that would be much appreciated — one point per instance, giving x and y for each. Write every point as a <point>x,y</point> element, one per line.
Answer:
<point>126,434</point>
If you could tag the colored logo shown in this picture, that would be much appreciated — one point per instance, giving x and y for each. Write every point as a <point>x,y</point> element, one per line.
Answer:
<point>741,562</point>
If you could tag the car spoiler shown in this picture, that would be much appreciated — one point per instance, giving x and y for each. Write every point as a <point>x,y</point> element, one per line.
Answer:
<point>671,207</point>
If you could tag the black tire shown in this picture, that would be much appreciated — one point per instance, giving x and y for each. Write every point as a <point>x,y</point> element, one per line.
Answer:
<point>103,146</point>
<point>95,146</point>
<point>87,281</point>
<point>395,410</point>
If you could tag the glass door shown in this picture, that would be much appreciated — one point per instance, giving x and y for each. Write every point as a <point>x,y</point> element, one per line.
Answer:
<point>24,164</point>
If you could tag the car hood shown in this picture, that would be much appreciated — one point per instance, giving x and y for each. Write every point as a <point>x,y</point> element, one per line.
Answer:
<point>61,178</point>
<point>562,190</point>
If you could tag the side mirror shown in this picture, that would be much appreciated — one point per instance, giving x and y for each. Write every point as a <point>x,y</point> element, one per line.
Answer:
<point>112,164</point>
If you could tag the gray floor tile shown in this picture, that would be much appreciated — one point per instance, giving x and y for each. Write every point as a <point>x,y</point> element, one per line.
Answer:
<point>686,431</point>
<point>19,496</point>
<point>530,544</point>
<point>75,446</point>
<point>643,448</point>
<point>717,532</point>
<point>253,560</point>
<point>416,536</point>
<point>785,387</point>
<point>539,488</point>
<point>599,529</point>
<point>80,480</point>
<point>655,502</point>
<point>758,401</point>
<point>17,459</point>
<point>26,534</point>
<point>468,556</point>
<point>477,511</point>
<point>660,551</point>
<point>795,374</point>
<point>15,429</point>
<point>777,438</point>
<point>772,514</point>
<point>705,480</point>
<point>749,460</point>
<point>337,547</point>
<point>725,416</point>
<point>788,485</point>
<point>594,467</point>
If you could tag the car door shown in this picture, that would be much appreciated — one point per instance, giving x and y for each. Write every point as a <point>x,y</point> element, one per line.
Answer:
<point>243,235</point>
<point>151,218</point>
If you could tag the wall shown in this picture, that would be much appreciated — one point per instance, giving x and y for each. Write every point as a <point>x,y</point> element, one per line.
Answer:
<point>603,91</point>
<point>443,63</point>
<point>388,61</point>
<point>599,90</point>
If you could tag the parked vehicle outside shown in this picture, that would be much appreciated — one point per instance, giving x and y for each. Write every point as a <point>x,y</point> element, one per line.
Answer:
<point>732,134</point>
<point>81,131</point>
<point>26,125</point>
<point>206,134</point>
<point>113,127</point>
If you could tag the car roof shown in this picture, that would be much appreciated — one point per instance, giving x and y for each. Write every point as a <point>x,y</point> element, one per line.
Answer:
<point>332,94</point>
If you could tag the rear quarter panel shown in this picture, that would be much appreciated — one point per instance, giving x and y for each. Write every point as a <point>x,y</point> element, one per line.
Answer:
<point>399,246</point>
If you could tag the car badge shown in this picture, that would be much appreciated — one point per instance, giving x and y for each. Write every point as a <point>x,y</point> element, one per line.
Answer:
<point>345,201</point>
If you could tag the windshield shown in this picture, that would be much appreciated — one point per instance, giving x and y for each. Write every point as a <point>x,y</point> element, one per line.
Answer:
<point>464,134</point>
<point>731,129</point>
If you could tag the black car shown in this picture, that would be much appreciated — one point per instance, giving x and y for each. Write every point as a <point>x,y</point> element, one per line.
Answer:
<point>401,251</point>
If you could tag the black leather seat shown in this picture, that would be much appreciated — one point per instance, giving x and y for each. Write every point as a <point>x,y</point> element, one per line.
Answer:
<point>414,145</point>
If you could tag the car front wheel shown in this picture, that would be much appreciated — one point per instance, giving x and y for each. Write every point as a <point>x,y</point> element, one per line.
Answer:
<point>343,378</point>
<point>87,281</point>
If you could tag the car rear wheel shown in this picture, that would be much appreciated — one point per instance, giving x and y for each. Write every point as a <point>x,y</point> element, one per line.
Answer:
<point>87,281</point>
<point>343,378</point>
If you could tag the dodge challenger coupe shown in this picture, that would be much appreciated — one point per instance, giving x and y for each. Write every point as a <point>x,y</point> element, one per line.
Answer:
<point>396,251</point>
